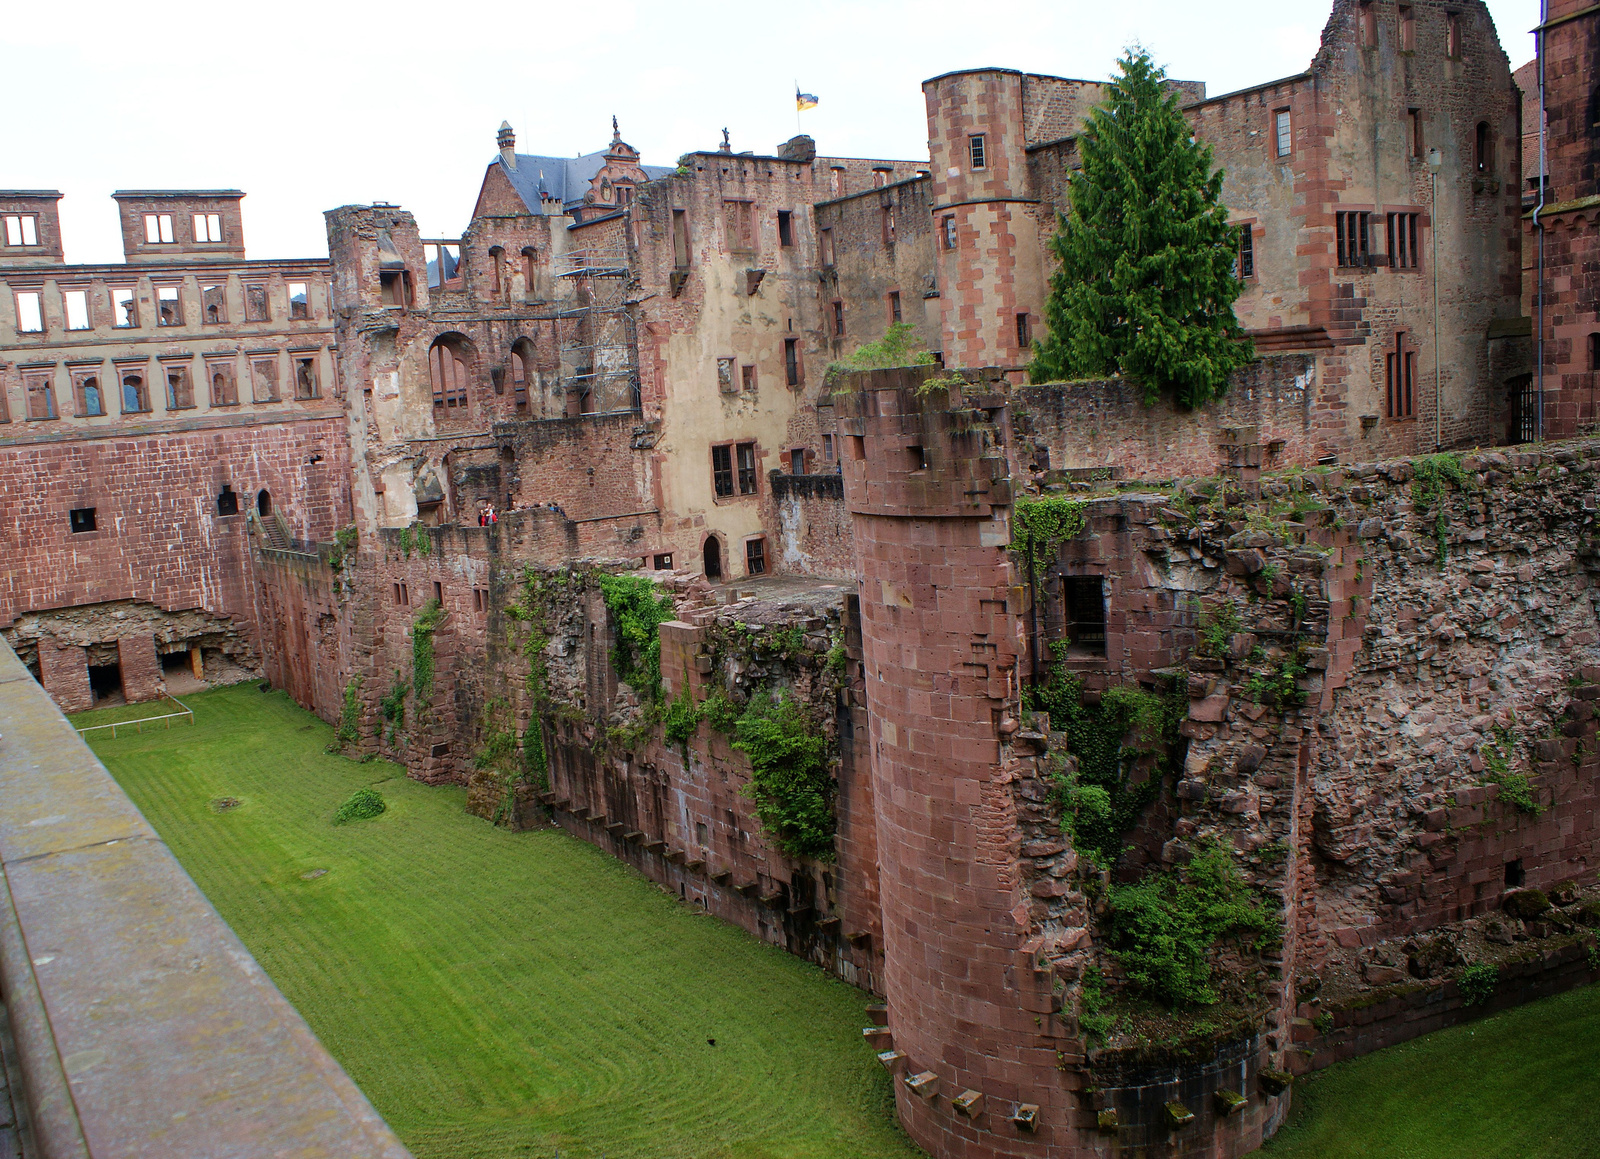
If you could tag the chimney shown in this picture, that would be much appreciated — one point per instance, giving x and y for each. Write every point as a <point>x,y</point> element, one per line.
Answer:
<point>507,140</point>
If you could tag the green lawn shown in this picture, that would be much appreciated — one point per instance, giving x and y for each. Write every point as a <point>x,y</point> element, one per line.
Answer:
<point>1524,1084</point>
<point>494,993</point>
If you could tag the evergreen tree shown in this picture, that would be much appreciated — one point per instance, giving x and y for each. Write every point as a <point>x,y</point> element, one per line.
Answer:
<point>1146,284</point>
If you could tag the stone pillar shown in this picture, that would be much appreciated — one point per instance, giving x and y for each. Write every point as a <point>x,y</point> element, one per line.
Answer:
<point>64,672</point>
<point>971,1020</point>
<point>141,668</point>
<point>196,662</point>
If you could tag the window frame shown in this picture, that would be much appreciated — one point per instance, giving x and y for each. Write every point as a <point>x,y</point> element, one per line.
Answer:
<point>313,359</point>
<point>1283,131</point>
<point>39,383</point>
<point>977,152</point>
<point>229,397</point>
<point>274,380</point>
<point>68,293</point>
<point>722,471</point>
<point>26,223</point>
<point>132,312</point>
<point>755,555</point>
<point>950,236</point>
<point>205,228</point>
<point>896,313</point>
<point>1352,233</point>
<point>1402,235</point>
<point>1400,401</point>
<point>794,368</point>
<point>181,396</point>
<point>303,314</point>
<point>35,296</point>
<point>747,469</point>
<point>1024,331</point>
<point>80,380</point>
<point>1245,262</point>
<point>140,373</point>
<point>158,229</point>
<point>159,293</point>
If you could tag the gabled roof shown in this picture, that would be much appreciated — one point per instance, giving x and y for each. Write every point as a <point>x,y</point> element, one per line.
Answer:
<point>566,179</point>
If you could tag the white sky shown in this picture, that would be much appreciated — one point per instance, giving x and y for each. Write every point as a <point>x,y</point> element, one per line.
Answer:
<point>309,106</point>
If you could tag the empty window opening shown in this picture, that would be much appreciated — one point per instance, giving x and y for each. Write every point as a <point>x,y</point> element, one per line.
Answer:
<point>836,181</point>
<point>713,558</point>
<point>1366,25</point>
<point>443,262</point>
<point>1285,134</point>
<point>90,402</point>
<point>1399,379</point>
<point>438,592</point>
<point>1594,351</point>
<point>224,390</point>
<point>158,228</point>
<point>255,304</point>
<point>1354,238</point>
<point>30,312</point>
<point>1401,230</point>
<point>785,228</point>
<point>791,361</point>
<point>838,319</point>
<point>40,395</point>
<point>135,399</point>
<point>449,373</point>
<point>213,304</point>
<point>527,269</point>
<point>738,219</point>
<point>399,593</point>
<point>81,519</point>
<point>1408,28</point>
<point>1024,333</point>
<point>480,600</point>
<point>306,381</point>
<point>894,306</point>
<point>299,301</point>
<point>169,306</point>
<point>496,254</point>
<point>1514,874</point>
<point>521,371</point>
<point>1414,124</point>
<point>77,308</point>
<point>747,377</point>
<point>755,557</point>
<point>180,390</point>
<point>725,375</point>
<point>264,380</point>
<point>663,562</point>
<point>680,238</point>
<point>858,446</point>
<point>1452,35</point>
<point>264,503</point>
<point>977,151</point>
<point>880,178</point>
<point>207,227</point>
<point>394,287</point>
<point>441,749</point>
<point>228,501</point>
<point>105,681</point>
<point>1483,150</point>
<point>22,229</point>
<point>825,246</point>
<point>1084,612</point>
<point>916,459</point>
<point>888,225</point>
<point>124,309</point>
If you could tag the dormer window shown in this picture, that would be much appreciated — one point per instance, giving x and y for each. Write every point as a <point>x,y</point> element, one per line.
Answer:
<point>22,229</point>
<point>158,229</point>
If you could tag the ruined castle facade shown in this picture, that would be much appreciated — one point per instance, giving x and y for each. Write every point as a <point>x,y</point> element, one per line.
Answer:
<point>416,458</point>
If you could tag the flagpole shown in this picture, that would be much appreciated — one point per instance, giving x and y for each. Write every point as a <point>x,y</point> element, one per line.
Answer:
<point>797,106</point>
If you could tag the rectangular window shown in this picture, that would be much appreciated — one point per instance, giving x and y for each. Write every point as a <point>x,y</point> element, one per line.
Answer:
<point>785,228</point>
<point>880,178</point>
<point>91,403</point>
<point>755,557</point>
<point>836,181</point>
<point>306,382</point>
<point>1354,241</point>
<point>745,457</point>
<point>663,562</point>
<point>1024,334</point>
<point>394,287</point>
<point>213,304</point>
<point>738,219</point>
<point>747,377</point>
<point>169,306</point>
<point>838,319</point>
<point>888,225</point>
<point>30,312</point>
<point>299,302</point>
<point>1366,25</point>
<point>81,519</point>
<point>519,376</point>
<point>948,232</point>
<point>124,310</point>
<point>976,151</point>
<point>76,303</point>
<point>725,376</point>
<point>400,594</point>
<point>1452,35</point>
<point>443,263</point>
<point>180,390</point>
<point>1414,124</point>
<point>797,461</point>
<point>680,241</point>
<point>158,228</point>
<point>826,247</point>
<point>791,361</point>
<point>207,227</point>
<point>827,448</point>
<point>894,305</point>
<point>1594,351</point>
<point>722,471</point>
<point>135,394</point>
<point>1083,602</point>
<point>224,389</point>
<point>1408,29</point>
<point>22,229</point>
<point>36,387</point>
<point>1284,133</point>
<point>1247,252</point>
<point>1400,379</point>
<point>264,380</point>
<point>1402,236</point>
<point>255,304</point>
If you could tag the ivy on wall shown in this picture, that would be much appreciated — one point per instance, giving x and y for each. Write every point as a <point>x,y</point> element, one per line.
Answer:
<point>790,782</point>
<point>637,608</point>
<point>422,630</point>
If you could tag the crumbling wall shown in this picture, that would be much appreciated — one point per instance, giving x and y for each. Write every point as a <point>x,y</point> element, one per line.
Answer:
<point>811,526</point>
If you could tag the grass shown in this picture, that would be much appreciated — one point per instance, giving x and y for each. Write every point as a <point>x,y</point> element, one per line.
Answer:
<point>118,713</point>
<point>1518,1085</point>
<point>494,993</point>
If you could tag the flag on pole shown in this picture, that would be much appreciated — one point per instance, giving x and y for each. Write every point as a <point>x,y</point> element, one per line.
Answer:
<point>803,101</point>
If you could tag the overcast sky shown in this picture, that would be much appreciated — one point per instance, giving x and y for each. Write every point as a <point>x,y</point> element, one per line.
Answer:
<point>306,106</point>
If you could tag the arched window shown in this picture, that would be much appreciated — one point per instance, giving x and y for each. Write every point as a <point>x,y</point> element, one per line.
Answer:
<point>495,256</point>
<point>449,370</point>
<point>1483,151</point>
<point>522,366</point>
<point>92,404</point>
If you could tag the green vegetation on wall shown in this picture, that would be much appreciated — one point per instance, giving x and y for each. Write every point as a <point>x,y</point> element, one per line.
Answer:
<point>393,706</point>
<point>899,346</point>
<point>349,715</point>
<point>1161,929</point>
<point>1514,786</point>
<point>790,781</point>
<point>422,630</point>
<point>1146,281</point>
<point>1428,477</point>
<point>637,608</point>
<point>1040,526</point>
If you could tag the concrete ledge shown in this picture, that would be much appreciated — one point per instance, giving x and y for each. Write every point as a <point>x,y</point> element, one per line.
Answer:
<point>142,1024</point>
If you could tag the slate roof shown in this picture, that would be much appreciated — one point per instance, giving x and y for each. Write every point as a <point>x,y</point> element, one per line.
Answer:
<point>564,178</point>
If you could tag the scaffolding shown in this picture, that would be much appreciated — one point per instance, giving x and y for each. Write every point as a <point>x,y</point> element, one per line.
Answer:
<point>598,350</point>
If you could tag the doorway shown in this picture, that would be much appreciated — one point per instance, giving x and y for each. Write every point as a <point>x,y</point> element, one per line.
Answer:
<point>713,566</point>
<point>105,681</point>
<point>264,503</point>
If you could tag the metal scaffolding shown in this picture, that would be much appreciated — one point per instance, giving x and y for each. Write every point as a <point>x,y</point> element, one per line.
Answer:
<point>599,354</point>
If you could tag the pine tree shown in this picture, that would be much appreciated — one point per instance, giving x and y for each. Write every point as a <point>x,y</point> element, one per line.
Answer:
<point>1146,284</point>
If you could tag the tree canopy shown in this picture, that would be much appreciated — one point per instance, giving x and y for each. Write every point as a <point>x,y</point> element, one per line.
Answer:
<point>1146,282</point>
